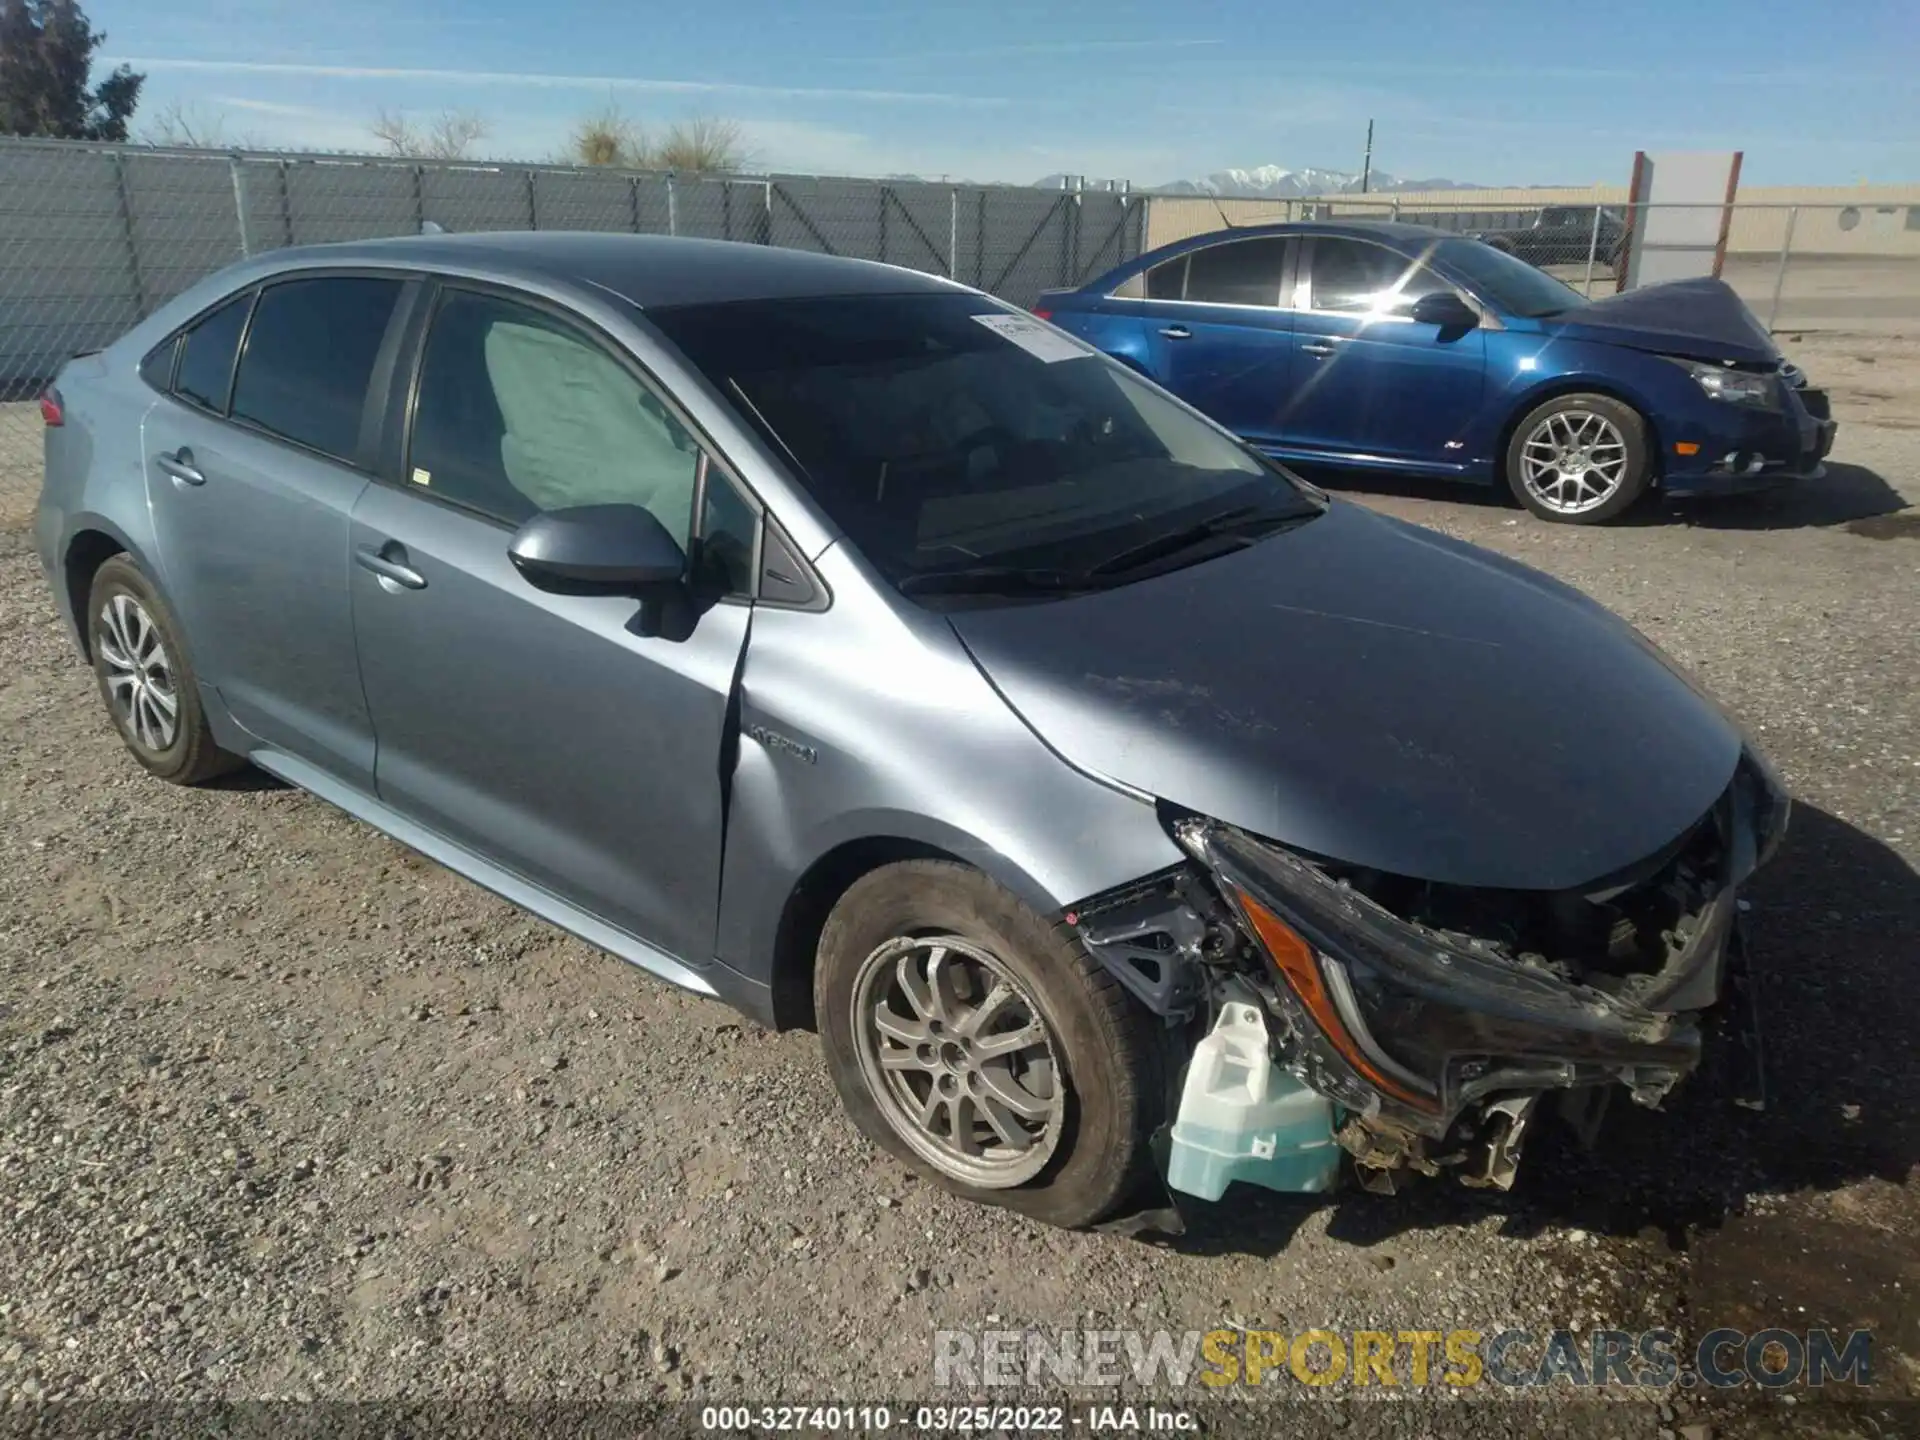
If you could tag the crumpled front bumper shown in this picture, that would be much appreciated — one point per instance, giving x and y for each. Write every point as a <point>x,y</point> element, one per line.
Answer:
<point>1429,1040</point>
<point>1741,450</point>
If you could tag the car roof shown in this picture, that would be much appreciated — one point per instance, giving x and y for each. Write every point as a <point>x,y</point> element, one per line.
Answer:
<point>653,272</point>
<point>1400,234</point>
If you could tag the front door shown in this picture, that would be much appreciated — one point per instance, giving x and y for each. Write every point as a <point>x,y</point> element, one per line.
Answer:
<point>251,478</point>
<point>551,734</point>
<point>1370,383</point>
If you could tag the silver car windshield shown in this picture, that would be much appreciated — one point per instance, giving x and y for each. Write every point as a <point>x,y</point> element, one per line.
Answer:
<point>945,431</point>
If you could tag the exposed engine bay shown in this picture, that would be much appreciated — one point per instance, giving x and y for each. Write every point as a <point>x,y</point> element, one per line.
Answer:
<point>1435,1019</point>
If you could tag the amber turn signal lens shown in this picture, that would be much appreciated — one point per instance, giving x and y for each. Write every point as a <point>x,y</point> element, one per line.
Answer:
<point>1685,447</point>
<point>1293,958</point>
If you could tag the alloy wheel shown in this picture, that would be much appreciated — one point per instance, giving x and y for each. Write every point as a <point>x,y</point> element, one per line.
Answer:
<point>959,1059</point>
<point>1573,461</point>
<point>139,675</point>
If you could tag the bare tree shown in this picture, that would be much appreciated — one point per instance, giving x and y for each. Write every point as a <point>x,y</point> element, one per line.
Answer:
<point>446,136</point>
<point>187,126</point>
<point>608,137</point>
<point>702,143</point>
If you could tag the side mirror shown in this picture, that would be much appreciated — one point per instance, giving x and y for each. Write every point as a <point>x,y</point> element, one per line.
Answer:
<point>1445,309</point>
<point>622,549</point>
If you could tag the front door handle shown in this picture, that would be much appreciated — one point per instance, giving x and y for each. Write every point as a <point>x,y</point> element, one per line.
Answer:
<point>405,576</point>
<point>1317,347</point>
<point>181,467</point>
<point>1177,332</point>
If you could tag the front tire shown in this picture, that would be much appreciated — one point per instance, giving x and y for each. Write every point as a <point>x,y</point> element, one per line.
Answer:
<point>145,679</point>
<point>983,1046</point>
<point>1579,459</point>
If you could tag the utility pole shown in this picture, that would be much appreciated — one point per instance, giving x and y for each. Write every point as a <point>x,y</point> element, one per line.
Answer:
<point>1366,165</point>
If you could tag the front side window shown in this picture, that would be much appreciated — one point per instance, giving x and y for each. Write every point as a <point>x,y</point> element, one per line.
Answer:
<point>518,412</point>
<point>942,433</point>
<point>728,527</point>
<point>205,371</point>
<point>309,359</point>
<point>1502,280</point>
<point>1359,277</point>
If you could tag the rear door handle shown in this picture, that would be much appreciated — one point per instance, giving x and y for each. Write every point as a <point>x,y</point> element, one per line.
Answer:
<point>1317,347</point>
<point>180,466</point>
<point>1177,332</point>
<point>405,576</point>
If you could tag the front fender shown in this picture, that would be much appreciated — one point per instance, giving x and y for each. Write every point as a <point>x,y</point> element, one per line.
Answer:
<point>1526,368</point>
<point>865,724</point>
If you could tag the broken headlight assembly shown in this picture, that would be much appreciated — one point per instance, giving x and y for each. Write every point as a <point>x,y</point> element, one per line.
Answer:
<point>1408,1003</point>
<point>1757,389</point>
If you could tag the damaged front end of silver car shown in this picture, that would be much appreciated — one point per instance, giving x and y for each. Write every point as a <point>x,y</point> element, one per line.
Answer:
<point>1419,1027</point>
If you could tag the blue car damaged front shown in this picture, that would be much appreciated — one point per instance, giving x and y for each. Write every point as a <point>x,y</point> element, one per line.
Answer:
<point>1401,348</point>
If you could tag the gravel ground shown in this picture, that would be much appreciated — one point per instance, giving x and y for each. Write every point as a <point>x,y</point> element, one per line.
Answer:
<point>287,1111</point>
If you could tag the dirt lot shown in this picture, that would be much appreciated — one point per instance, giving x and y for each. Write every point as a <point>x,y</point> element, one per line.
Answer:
<point>287,1111</point>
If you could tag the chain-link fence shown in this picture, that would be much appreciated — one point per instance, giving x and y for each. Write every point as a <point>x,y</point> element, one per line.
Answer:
<point>93,238</point>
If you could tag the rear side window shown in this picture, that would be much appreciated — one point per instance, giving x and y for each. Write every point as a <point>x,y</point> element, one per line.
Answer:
<point>309,359</point>
<point>1242,272</point>
<point>157,368</point>
<point>205,372</point>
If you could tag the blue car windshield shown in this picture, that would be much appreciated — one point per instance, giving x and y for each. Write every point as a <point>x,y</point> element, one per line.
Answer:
<point>945,432</point>
<point>1504,281</point>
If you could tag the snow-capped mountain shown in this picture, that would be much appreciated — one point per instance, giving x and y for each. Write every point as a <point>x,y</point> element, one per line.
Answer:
<point>1276,182</point>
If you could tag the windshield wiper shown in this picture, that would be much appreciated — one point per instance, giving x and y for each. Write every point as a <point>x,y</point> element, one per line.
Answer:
<point>1243,519</point>
<point>994,580</point>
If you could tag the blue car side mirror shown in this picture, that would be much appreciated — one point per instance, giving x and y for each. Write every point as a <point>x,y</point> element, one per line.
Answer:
<point>1445,309</point>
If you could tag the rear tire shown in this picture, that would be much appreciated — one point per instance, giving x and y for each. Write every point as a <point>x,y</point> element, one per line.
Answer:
<point>1579,459</point>
<point>942,1089</point>
<point>145,679</point>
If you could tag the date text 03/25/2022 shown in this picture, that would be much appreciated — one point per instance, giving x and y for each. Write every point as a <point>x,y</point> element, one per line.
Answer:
<point>949,1419</point>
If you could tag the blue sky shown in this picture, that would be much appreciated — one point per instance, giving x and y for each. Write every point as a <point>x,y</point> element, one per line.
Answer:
<point>1489,91</point>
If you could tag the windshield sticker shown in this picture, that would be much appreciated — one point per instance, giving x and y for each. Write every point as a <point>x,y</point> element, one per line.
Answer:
<point>1042,342</point>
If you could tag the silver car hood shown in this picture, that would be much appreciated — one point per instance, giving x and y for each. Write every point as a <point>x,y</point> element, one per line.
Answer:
<point>1371,692</point>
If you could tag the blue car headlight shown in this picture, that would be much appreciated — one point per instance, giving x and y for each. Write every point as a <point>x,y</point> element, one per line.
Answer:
<point>1736,387</point>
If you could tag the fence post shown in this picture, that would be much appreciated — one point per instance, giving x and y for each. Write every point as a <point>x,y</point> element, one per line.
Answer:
<point>953,234</point>
<point>633,200</point>
<point>126,227</point>
<point>240,205</point>
<point>420,199</point>
<point>1593,245</point>
<point>980,243</point>
<point>1780,275</point>
<point>884,193</point>
<point>533,204</point>
<point>673,207</point>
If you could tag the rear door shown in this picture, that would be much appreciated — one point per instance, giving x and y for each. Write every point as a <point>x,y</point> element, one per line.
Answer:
<point>254,461</point>
<point>1217,335</point>
<point>560,737</point>
<point>1373,384</point>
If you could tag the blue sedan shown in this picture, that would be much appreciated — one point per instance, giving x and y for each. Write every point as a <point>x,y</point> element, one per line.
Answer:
<point>1403,348</point>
